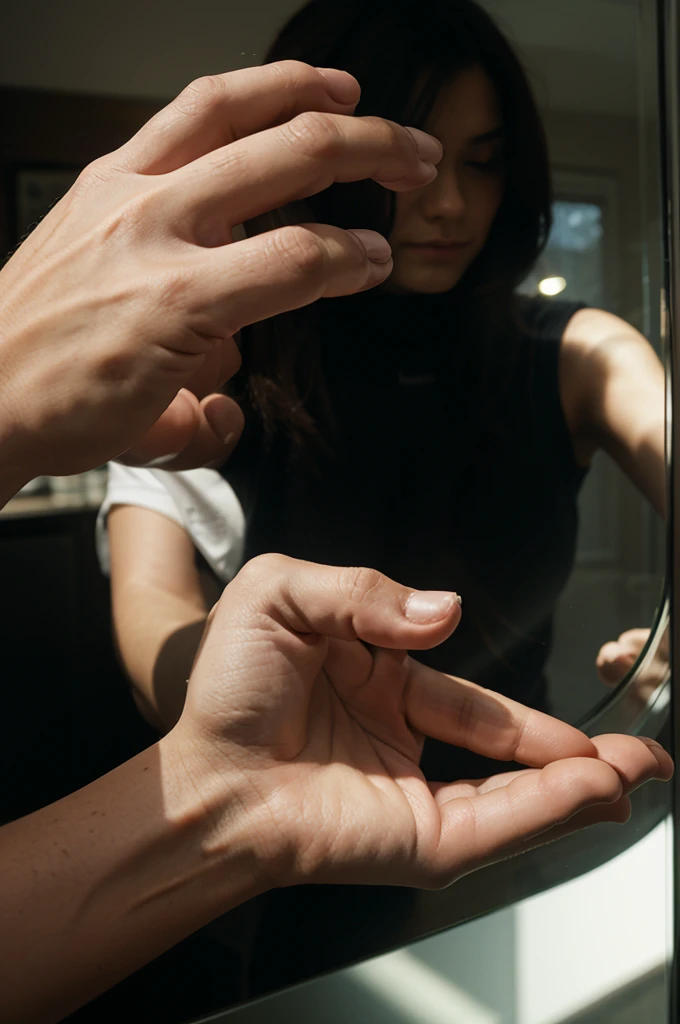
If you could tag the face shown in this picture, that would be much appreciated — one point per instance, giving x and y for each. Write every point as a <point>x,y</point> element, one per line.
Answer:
<point>441,228</point>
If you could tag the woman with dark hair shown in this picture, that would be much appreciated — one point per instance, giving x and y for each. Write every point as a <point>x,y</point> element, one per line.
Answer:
<point>438,428</point>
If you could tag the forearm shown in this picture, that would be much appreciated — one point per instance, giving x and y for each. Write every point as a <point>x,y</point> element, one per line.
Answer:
<point>158,635</point>
<point>105,880</point>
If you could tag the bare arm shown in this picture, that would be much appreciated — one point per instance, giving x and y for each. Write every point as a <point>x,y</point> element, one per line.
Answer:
<point>613,392</point>
<point>101,882</point>
<point>159,608</point>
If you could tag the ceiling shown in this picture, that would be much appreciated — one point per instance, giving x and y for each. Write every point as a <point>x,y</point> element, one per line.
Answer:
<point>582,54</point>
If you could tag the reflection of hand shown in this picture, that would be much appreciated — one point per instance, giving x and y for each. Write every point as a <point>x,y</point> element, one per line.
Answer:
<point>132,289</point>
<point>616,658</point>
<point>316,737</point>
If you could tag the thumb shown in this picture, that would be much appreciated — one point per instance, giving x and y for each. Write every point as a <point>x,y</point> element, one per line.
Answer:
<point>344,603</point>
<point>189,434</point>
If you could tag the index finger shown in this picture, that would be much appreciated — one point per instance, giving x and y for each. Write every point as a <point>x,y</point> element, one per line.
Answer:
<point>461,713</point>
<point>218,109</point>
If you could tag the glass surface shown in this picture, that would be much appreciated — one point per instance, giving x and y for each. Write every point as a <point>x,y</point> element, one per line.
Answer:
<point>577,954</point>
<point>85,76</point>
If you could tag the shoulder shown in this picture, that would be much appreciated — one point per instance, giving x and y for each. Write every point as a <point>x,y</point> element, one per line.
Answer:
<point>609,374</point>
<point>591,328</point>
<point>604,346</point>
<point>593,347</point>
<point>159,489</point>
<point>199,500</point>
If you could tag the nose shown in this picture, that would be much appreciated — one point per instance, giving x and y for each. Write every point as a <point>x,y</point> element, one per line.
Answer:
<point>443,198</point>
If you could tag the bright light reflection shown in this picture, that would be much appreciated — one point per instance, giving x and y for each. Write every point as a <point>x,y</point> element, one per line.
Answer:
<point>552,285</point>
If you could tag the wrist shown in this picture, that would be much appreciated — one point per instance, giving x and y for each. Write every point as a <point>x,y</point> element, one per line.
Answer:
<point>145,856</point>
<point>218,809</point>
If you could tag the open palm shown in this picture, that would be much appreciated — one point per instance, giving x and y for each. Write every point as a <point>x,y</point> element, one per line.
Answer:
<point>304,692</point>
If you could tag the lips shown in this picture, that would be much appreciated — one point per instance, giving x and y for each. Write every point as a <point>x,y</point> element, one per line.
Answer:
<point>436,249</point>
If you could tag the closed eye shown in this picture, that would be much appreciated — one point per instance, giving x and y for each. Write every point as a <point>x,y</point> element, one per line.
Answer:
<point>492,164</point>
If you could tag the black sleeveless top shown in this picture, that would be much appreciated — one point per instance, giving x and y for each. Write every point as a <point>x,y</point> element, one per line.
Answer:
<point>441,473</point>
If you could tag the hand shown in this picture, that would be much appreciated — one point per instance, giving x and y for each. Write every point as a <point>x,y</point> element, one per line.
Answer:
<point>117,314</point>
<point>616,658</point>
<point>305,713</point>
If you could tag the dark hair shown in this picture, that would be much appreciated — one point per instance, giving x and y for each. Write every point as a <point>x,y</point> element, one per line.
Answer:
<point>402,54</point>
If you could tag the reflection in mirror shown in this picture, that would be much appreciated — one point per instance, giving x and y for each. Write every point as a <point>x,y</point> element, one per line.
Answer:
<point>491,421</point>
<point>554,562</point>
<point>567,956</point>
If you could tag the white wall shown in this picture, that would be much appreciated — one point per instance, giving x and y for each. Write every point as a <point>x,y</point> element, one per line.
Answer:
<point>584,940</point>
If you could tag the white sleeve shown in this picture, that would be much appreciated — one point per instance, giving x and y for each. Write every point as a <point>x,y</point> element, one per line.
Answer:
<point>199,500</point>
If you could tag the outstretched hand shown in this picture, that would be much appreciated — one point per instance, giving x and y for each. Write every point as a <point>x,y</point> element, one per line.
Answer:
<point>305,706</point>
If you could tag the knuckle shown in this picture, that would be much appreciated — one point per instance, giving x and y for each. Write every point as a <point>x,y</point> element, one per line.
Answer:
<point>116,366</point>
<point>299,249</point>
<point>233,161</point>
<point>295,84</point>
<point>95,174</point>
<point>315,134</point>
<point>356,583</point>
<point>517,736</point>
<point>393,140</point>
<point>387,132</point>
<point>263,568</point>
<point>293,74</point>
<point>201,94</point>
<point>354,252</point>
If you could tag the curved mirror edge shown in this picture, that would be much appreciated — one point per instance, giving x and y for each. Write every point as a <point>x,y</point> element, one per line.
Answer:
<point>641,705</point>
<point>475,896</point>
<point>669,43</point>
<point>340,943</point>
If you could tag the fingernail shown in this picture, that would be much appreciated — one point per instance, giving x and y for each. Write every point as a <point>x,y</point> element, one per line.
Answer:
<point>425,606</point>
<point>162,460</point>
<point>428,172</point>
<point>377,248</point>
<point>229,444</point>
<point>429,149</point>
<point>340,85</point>
<point>221,422</point>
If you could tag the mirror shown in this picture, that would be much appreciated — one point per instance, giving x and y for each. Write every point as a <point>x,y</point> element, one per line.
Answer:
<point>471,425</point>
